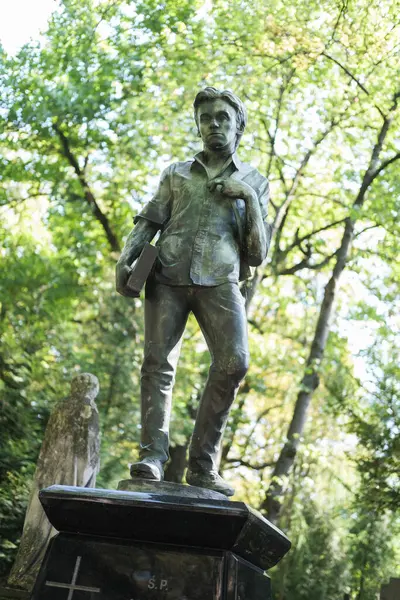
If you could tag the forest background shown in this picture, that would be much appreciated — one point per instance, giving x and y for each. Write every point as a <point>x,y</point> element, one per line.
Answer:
<point>89,115</point>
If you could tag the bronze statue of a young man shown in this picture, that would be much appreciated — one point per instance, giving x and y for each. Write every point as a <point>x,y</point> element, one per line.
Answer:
<point>211,211</point>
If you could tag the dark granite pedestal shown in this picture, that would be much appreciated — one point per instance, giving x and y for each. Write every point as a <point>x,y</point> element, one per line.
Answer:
<point>159,543</point>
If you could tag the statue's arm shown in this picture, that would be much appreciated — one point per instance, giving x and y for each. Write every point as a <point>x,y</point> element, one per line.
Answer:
<point>256,238</point>
<point>143,232</point>
<point>257,231</point>
<point>152,218</point>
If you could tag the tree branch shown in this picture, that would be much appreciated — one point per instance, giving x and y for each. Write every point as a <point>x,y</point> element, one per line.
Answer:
<point>305,264</point>
<point>374,226</point>
<point>299,240</point>
<point>385,164</point>
<point>342,11</point>
<point>273,153</point>
<point>353,77</point>
<point>295,181</point>
<point>88,194</point>
<point>282,91</point>
<point>244,463</point>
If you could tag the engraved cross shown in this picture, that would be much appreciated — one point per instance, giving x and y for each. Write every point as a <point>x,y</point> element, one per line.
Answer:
<point>72,587</point>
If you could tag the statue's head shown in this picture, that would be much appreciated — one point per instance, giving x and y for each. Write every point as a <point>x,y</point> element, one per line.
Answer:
<point>220,118</point>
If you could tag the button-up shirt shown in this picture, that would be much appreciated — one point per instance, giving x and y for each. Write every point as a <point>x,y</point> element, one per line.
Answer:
<point>200,237</point>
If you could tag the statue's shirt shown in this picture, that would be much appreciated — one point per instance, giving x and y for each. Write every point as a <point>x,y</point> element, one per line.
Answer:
<point>199,242</point>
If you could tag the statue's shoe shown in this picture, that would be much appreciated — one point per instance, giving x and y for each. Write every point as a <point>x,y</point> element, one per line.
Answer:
<point>210,480</point>
<point>148,468</point>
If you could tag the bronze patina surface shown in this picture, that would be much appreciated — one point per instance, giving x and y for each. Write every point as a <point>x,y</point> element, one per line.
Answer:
<point>211,212</point>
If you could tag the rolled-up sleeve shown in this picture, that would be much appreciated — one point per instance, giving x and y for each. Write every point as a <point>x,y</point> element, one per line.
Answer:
<point>158,209</point>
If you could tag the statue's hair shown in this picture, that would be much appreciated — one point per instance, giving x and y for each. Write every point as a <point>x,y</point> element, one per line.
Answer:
<point>211,93</point>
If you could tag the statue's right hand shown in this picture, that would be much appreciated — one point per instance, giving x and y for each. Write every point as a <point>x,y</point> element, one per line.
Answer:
<point>122,272</point>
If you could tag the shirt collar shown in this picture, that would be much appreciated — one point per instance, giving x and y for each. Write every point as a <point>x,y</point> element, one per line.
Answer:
<point>237,162</point>
<point>241,167</point>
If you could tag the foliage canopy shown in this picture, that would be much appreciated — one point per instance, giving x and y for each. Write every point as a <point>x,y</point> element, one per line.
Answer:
<point>88,117</point>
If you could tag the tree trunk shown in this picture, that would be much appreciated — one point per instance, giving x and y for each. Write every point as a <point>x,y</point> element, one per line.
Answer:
<point>310,379</point>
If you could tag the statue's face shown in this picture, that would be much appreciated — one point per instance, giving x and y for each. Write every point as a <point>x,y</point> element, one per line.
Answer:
<point>217,125</point>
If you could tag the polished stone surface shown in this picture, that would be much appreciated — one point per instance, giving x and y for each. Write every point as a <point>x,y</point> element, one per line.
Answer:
<point>153,545</point>
<point>244,582</point>
<point>84,567</point>
<point>391,590</point>
<point>166,519</point>
<point>104,569</point>
<point>168,488</point>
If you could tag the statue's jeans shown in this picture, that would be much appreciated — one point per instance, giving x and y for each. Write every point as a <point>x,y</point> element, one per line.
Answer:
<point>221,315</point>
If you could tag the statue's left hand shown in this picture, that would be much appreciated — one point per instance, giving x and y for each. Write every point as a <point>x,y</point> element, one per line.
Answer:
<point>122,272</point>
<point>232,188</point>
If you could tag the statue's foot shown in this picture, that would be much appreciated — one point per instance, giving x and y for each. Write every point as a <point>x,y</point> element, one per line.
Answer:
<point>148,468</point>
<point>210,480</point>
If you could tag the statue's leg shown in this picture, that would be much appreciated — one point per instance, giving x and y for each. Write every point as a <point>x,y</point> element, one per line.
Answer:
<point>221,315</point>
<point>166,311</point>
